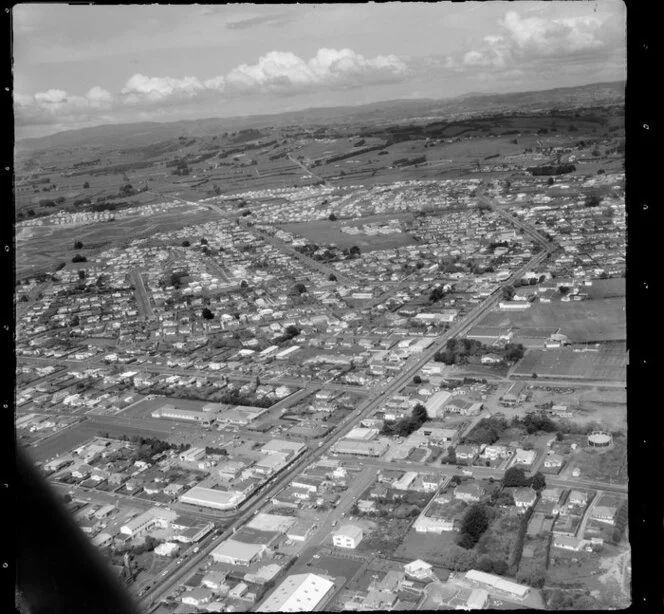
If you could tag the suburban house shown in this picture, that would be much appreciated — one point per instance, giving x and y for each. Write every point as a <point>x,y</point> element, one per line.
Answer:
<point>524,457</point>
<point>418,569</point>
<point>524,498</point>
<point>467,452</point>
<point>469,492</point>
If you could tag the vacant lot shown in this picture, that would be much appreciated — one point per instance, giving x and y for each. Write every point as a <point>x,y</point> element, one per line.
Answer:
<point>604,465</point>
<point>581,321</point>
<point>498,540</point>
<point>426,546</point>
<point>607,364</point>
<point>575,570</point>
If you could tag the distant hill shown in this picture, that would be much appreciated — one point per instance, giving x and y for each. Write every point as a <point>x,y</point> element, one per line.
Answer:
<point>374,113</point>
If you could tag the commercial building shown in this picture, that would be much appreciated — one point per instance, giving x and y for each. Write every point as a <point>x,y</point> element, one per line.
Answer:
<point>147,521</point>
<point>360,448</point>
<point>298,593</point>
<point>210,497</point>
<point>173,413</point>
<point>492,582</point>
<point>348,536</point>
<point>167,549</point>
<point>301,530</point>
<point>237,553</point>
<point>192,455</point>
<point>362,434</point>
<point>435,403</point>
<point>271,522</point>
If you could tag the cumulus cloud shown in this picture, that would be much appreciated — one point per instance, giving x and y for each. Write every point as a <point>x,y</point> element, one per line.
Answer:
<point>55,105</point>
<point>527,41</point>
<point>140,88</point>
<point>546,37</point>
<point>280,72</point>
<point>276,71</point>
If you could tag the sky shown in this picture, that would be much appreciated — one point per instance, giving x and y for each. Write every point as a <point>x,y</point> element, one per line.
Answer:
<point>77,66</point>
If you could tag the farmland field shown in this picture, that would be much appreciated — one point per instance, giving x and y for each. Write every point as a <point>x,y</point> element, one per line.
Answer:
<point>581,321</point>
<point>607,364</point>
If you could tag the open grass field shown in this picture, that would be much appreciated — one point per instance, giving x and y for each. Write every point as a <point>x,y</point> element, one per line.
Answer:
<point>41,248</point>
<point>426,546</point>
<point>607,364</point>
<point>603,465</point>
<point>582,321</point>
<point>325,232</point>
<point>606,288</point>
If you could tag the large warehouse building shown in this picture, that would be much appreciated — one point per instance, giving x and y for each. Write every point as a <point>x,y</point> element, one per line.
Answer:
<point>175,413</point>
<point>298,593</point>
<point>210,497</point>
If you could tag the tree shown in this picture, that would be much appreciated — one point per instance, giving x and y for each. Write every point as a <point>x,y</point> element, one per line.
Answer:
<point>436,294</point>
<point>560,436</point>
<point>465,540</point>
<point>508,292</point>
<point>86,185</point>
<point>474,522</point>
<point>79,258</point>
<point>417,380</point>
<point>332,277</point>
<point>244,284</point>
<point>485,564</point>
<point>185,243</point>
<point>300,288</point>
<point>207,314</point>
<point>419,414</point>
<point>81,274</point>
<point>332,218</point>
<point>354,251</point>
<point>534,376</point>
<point>514,476</point>
<point>78,245</point>
<point>593,200</point>
<point>538,482</point>
<point>204,241</point>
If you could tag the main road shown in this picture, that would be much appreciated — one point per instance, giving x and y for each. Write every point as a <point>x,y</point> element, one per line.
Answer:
<point>371,404</point>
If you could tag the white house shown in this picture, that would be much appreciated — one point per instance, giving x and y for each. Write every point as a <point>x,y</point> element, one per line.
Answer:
<point>348,536</point>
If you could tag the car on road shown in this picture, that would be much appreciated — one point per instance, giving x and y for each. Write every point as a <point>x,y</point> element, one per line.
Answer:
<point>163,573</point>
<point>196,549</point>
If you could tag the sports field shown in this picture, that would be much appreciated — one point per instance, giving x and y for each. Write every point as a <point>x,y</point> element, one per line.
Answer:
<point>581,321</point>
<point>324,233</point>
<point>607,364</point>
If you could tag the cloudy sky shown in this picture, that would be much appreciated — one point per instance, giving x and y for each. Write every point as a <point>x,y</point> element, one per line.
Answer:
<point>78,66</point>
